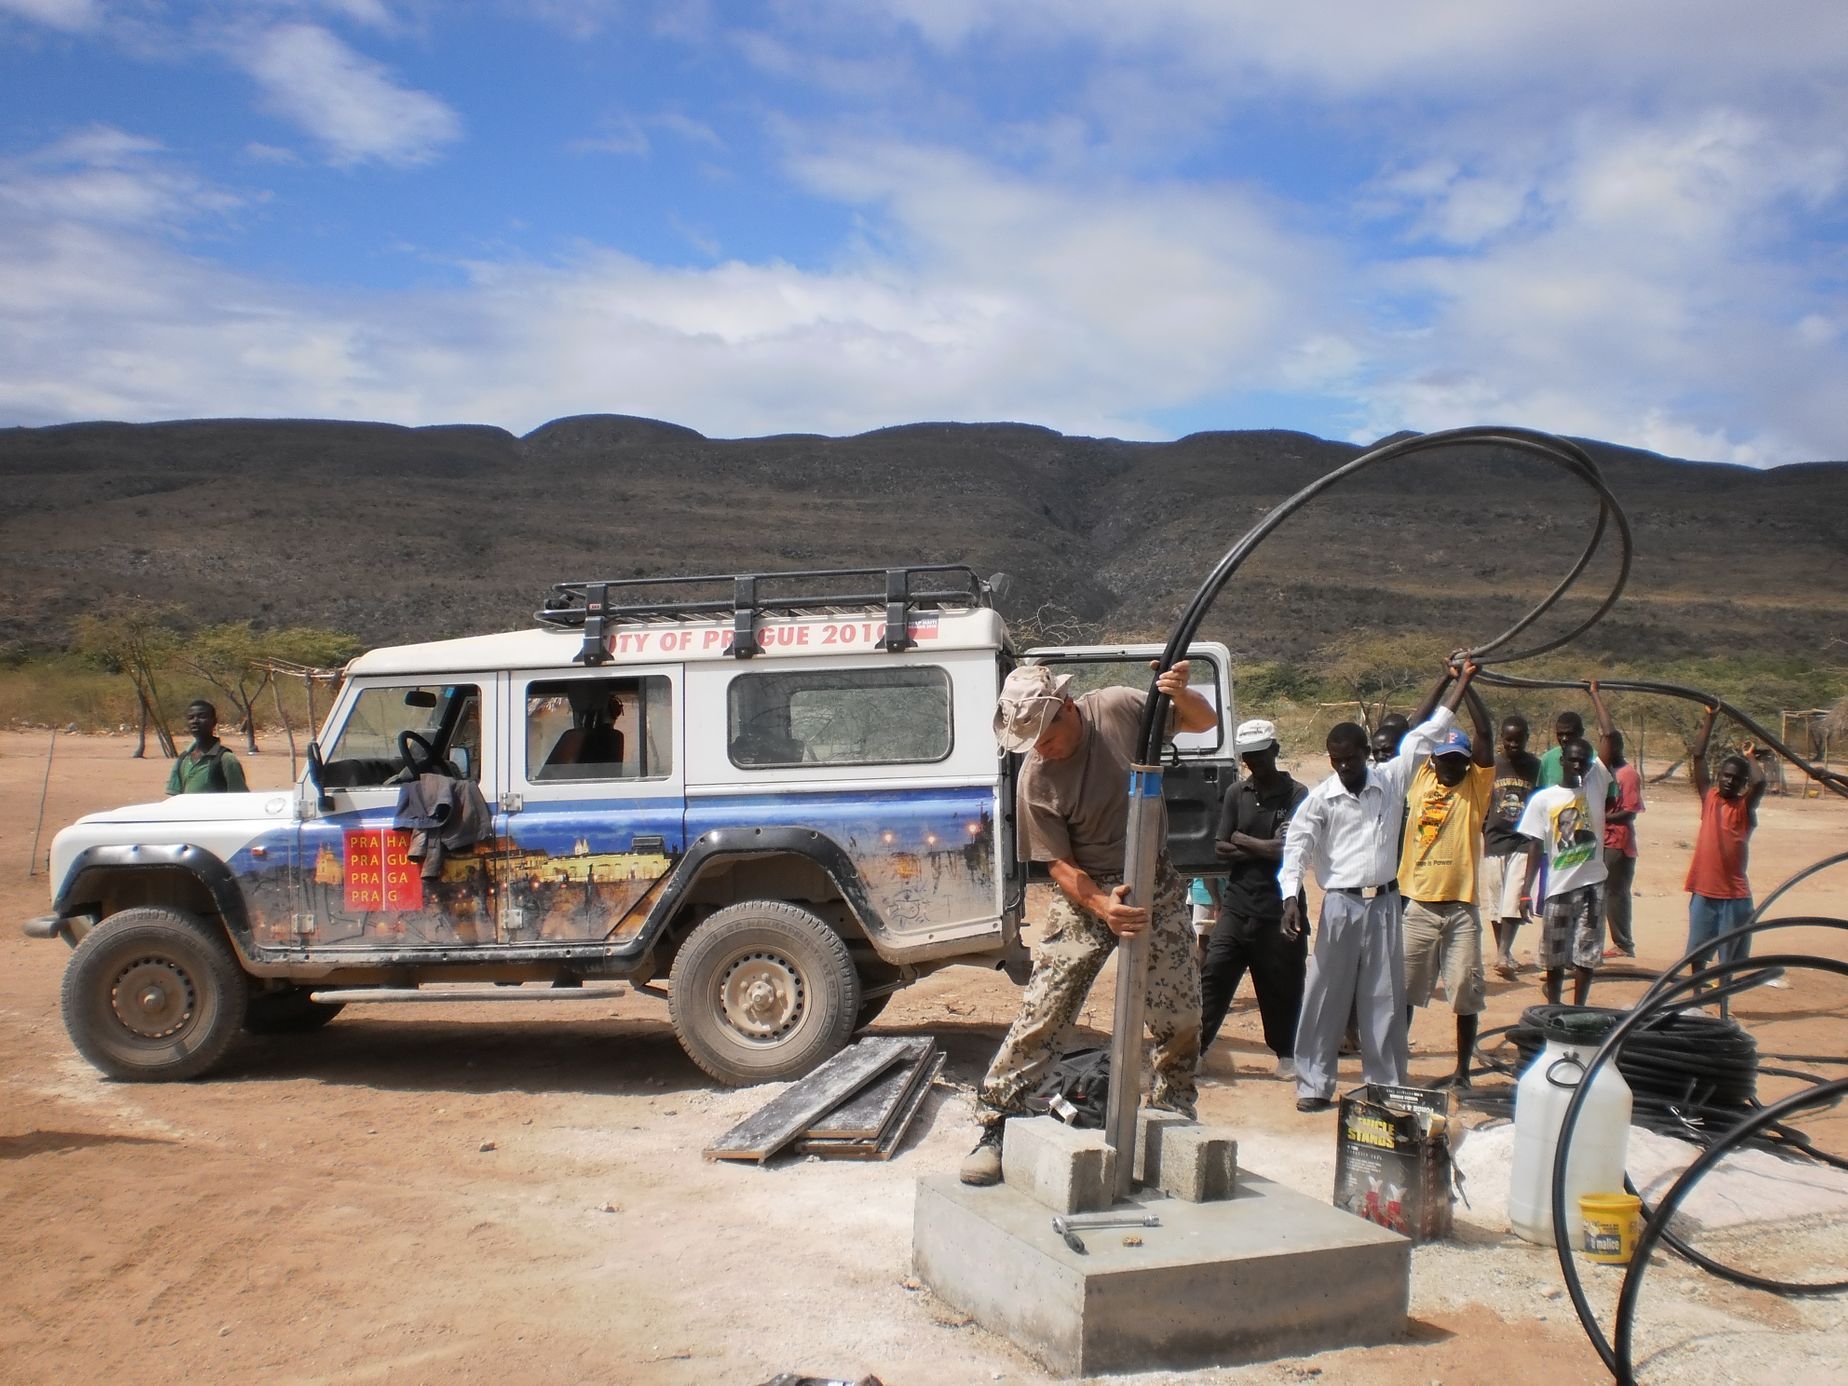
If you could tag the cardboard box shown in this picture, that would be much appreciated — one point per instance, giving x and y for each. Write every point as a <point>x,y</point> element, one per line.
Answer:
<point>1392,1159</point>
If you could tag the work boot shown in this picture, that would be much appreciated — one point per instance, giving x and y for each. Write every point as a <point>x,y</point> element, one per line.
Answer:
<point>982,1166</point>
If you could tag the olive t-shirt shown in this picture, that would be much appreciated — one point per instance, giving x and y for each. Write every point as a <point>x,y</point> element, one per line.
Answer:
<point>1077,809</point>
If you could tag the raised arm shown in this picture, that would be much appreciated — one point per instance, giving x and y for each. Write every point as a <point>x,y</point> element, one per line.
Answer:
<point>1756,782</point>
<point>1429,705</point>
<point>1697,753</point>
<point>1482,744</point>
<point>1433,720</point>
<point>1607,748</point>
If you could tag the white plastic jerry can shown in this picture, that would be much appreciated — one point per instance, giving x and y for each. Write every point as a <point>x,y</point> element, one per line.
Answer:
<point>1600,1139</point>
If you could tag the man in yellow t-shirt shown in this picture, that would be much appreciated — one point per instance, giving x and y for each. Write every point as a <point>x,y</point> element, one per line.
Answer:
<point>1445,806</point>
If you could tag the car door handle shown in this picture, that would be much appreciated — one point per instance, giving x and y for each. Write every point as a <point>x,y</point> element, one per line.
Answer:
<point>649,842</point>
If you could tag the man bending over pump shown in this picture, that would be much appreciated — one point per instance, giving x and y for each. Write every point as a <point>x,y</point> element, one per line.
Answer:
<point>1072,808</point>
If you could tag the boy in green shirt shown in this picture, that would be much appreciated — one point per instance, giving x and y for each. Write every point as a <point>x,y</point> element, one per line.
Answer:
<point>207,766</point>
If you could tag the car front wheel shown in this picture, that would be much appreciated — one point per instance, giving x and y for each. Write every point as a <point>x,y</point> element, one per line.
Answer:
<point>763,991</point>
<point>153,995</point>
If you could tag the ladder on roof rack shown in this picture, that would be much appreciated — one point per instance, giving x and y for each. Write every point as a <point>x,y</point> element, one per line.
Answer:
<point>598,605</point>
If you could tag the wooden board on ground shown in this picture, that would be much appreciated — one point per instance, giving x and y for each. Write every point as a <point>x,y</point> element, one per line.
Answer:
<point>786,1116</point>
<point>887,1143</point>
<point>864,1115</point>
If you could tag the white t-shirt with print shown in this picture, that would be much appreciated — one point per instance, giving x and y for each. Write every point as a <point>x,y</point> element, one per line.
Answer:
<point>1569,824</point>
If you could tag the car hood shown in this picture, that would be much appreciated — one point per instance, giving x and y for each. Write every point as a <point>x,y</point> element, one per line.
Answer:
<point>200,808</point>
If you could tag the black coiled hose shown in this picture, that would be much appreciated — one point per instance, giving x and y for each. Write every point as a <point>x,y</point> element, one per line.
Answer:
<point>1683,1061</point>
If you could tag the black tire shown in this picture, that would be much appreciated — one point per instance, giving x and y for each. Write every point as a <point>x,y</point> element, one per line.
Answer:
<point>762,992</point>
<point>870,1010</point>
<point>154,996</point>
<point>287,1012</point>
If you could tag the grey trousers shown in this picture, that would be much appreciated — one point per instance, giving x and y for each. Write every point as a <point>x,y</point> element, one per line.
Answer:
<point>1358,964</point>
<point>1621,871</point>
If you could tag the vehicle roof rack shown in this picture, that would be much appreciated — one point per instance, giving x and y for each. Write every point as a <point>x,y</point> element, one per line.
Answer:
<point>600,604</point>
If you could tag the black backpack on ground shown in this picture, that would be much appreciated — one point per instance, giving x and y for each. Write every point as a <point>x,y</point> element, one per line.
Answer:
<point>1077,1090</point>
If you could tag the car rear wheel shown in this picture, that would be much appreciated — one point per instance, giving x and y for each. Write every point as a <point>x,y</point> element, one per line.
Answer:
<point>153,995</point>
<point>762,992</point>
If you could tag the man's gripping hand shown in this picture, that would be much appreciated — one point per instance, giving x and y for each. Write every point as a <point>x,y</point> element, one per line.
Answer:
<point>1124,919</point>
<point>1172,681</point>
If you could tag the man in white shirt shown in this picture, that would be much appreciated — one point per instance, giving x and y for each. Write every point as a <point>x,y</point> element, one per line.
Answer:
<point>1347,830</point>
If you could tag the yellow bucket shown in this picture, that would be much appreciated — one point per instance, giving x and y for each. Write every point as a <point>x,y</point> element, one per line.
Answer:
<point>1611,1224</point>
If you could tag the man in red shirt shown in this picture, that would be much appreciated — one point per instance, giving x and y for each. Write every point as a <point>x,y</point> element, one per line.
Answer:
<point>1719,896</point>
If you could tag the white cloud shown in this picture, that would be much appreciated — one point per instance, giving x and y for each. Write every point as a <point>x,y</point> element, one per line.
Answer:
<point>104,175</point>
<point>628,135</point>
<point>348,102</point>
<point>1615,221</point>
<point>1647,292</point>
<point>71,16</point>
<point>1417,48</point>
<point>993,297</point>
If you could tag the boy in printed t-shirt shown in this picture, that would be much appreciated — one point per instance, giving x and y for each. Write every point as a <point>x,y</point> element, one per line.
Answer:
<point>1565,823</point>
<point>1719,896</point>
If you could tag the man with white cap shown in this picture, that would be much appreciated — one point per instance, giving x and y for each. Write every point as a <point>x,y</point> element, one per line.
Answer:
<point>1248,930</point>
<point>1072,813</point>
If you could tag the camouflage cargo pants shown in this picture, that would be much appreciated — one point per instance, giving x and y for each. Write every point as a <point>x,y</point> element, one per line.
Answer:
<point>1075,947</point>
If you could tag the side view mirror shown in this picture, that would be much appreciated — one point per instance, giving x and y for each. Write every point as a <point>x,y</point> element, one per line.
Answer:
<point>317,776</point>
<point>458,757</point>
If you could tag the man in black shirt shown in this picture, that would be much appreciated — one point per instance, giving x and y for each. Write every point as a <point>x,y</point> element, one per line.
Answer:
<point>1504,851</point>
<point>1248,932</point>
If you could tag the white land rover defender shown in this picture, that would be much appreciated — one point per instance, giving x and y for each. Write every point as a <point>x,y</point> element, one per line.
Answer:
<point>779,792</point>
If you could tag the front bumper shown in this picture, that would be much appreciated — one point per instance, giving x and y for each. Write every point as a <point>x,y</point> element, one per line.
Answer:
<point>51,926</point>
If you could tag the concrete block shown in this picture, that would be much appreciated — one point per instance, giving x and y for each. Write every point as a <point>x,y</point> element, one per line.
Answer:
<point>1058,1166</point>
<point>1267,1273</point>
<point>1151,1122</point>
<point>1198,1163</point>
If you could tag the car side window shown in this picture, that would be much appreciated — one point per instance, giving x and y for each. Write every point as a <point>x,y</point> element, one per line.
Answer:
<point>599,729</point>
<point>443,719</point>
<point>839,717</point>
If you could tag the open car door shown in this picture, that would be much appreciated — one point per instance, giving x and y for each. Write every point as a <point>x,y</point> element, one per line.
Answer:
<point>1200,766</point>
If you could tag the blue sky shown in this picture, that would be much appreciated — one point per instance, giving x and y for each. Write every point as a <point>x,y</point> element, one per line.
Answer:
<point>1137,218</point>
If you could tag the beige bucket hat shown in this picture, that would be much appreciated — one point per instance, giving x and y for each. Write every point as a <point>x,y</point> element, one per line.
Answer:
<point>1030,699</point>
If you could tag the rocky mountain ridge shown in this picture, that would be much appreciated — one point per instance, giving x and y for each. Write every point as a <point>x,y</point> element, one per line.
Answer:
<point>415,533</point>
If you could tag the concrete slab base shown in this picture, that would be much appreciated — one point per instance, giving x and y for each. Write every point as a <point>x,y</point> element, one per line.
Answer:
<point>1267,1273</point>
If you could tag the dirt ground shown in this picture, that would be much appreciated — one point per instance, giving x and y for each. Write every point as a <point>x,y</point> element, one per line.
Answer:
<point>514,1193</point>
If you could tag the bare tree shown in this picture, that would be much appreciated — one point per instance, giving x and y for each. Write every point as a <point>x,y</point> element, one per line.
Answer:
<point>137,640</point>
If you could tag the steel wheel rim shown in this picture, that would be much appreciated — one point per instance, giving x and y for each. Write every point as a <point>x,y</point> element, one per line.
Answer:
<point>762,998</point>
<point>153,999</point>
